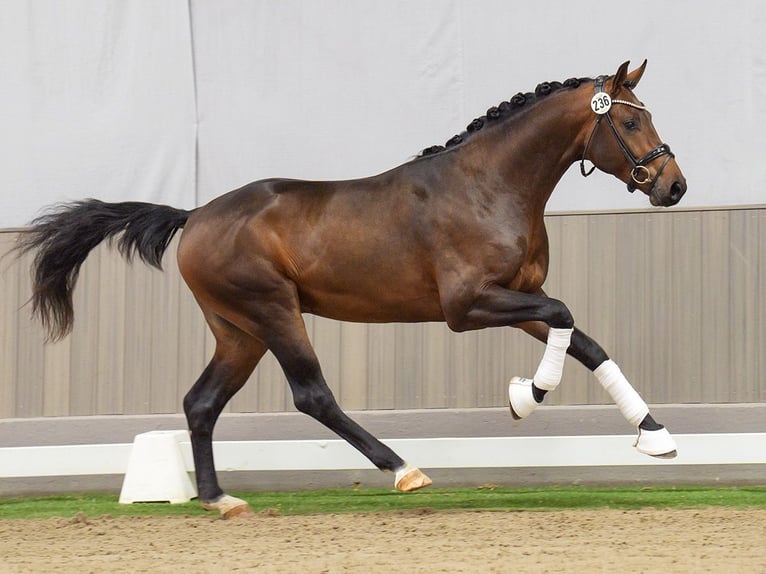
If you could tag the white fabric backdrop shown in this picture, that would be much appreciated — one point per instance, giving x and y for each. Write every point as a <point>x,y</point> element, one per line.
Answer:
<point>179,101</point>
<point>97,101</point>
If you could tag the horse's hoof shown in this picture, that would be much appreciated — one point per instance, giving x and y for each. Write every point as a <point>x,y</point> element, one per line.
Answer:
<point>520,398</point>
<point>657,443</point>
<point>229,507</point>
<point>411,478</point>
<point>672,454</point>
<point>241,511</point>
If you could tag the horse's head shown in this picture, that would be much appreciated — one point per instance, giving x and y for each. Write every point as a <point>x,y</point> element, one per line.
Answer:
<point>623,140</point>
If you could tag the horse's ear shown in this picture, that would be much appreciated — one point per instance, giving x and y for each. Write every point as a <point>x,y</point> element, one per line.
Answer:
<point>620,78</point>
<point>632,79</point>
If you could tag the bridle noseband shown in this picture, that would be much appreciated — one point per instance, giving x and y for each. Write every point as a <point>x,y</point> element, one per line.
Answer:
<point>640,174</point>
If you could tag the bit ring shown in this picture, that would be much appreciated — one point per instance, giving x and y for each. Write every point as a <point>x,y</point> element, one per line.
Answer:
<point>634,174</point>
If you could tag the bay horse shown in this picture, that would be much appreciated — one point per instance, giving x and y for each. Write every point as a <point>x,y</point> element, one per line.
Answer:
<point>455,235</point>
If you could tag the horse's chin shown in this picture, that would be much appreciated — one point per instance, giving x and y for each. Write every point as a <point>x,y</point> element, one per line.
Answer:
<point>658,199</point>
<point>666,200</point>
<point>653,199</point>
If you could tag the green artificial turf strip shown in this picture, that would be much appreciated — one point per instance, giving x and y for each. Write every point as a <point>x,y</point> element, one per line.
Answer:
<point>381,500</point>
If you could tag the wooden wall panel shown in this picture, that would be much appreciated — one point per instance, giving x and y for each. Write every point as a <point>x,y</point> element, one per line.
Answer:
<point>10,276</point>
<point>675,297</point>
<point>686,286</point>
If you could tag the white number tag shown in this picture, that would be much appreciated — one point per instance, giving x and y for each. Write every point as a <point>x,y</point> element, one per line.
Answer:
<point>601,103</point>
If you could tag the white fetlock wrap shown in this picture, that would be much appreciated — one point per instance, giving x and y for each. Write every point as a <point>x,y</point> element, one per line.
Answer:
<point>228,506</point>
<point>520,396</point>
<point>630,403</point>
<point>657,443</point>
<point>548,374</point>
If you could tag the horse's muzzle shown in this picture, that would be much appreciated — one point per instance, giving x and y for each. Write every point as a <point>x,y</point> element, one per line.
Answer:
<point>672,196</point>
<point>677,191</point>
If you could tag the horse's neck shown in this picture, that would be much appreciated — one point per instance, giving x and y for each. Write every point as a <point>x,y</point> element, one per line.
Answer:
<point>533,153</point>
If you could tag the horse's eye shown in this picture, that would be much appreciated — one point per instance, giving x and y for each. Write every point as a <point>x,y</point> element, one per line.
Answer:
<point>630,125</point>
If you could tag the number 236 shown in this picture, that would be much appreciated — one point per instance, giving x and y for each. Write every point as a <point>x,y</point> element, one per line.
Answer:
<point>601,103</point>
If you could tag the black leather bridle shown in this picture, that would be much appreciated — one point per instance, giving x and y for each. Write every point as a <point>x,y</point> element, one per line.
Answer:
<point>640,174</point>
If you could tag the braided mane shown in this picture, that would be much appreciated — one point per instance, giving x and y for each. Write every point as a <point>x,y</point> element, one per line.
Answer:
<point>504,110</point>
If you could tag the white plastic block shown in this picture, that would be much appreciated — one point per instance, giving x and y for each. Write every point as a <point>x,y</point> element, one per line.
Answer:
<point>156,470</point>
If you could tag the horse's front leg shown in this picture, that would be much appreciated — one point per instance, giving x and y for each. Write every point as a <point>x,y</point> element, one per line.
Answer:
<point>496,306</point>
<point>550,321</point>
<point>653,438</point>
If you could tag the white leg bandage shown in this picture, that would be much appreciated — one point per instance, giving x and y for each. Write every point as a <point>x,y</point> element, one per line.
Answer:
<point>548,375</point>
<point>630,403</point>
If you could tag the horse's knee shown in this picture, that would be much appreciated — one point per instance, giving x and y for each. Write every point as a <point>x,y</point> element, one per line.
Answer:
<point>558,315</point>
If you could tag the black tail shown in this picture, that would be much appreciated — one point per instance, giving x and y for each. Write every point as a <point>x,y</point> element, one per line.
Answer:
<point>64,236</point>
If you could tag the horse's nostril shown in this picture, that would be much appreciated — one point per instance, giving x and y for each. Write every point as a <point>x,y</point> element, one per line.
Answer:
<point>677,190</point>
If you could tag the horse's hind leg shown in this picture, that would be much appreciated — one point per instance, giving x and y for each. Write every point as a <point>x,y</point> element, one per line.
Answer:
<point>311,395</point>
<point>653,439</point>
<point>236,355</point>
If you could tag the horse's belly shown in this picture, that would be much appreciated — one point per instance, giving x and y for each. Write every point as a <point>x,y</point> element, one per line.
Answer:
<point>386,303</point>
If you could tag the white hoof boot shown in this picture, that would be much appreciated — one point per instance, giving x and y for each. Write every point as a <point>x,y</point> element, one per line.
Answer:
<point>657,443</point>
<point>409,478</point>
<point>520,397</point>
